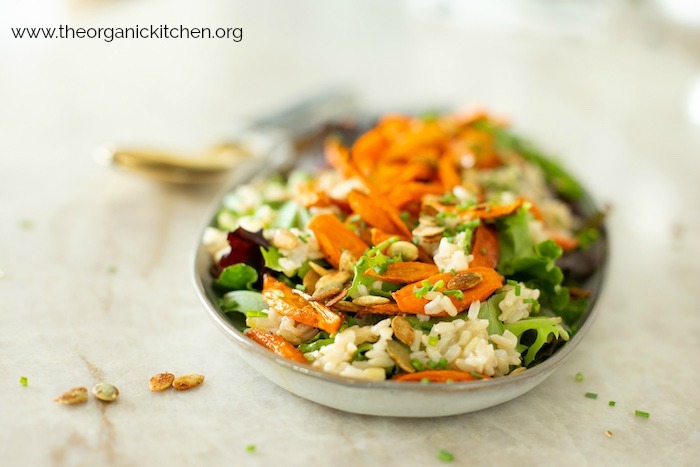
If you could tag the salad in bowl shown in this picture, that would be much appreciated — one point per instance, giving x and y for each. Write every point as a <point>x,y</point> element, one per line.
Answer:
<point>426,251</point>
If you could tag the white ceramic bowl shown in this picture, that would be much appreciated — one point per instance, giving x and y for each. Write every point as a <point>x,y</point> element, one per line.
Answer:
<point>385,398</point>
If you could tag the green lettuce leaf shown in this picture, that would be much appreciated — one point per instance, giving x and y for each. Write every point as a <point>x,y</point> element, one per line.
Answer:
<point>236,277</point>
<point>242,301</point>
<point>489,310</point>
<point>544,326</point>
<point>535,264</point>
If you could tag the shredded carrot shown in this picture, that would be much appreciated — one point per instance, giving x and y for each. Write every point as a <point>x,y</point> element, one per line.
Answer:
<point>370,210</point>
<point>289,302</point>
<point>438,376</point>
<point>565,242</point>
<point>485,248</point>
<point>333,237</point>
<point>404,272</point>
<point>489,211</point>
<point>401,195</point>
<point>447,172</point>
<point>277,344</point>
<point>338,156</point>
<point>408,302</point>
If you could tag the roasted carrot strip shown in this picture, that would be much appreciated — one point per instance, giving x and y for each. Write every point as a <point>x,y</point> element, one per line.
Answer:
<point>438,376</point>
<point>338,156</point>
<point>565,242</point>
<point>428,135</point>
<point>386,175</point>
<point>333,237</point>
<point>393,125</point>
<point>401,195</point>
<point>370,211</point>
<point>489,211</point>
<point>288,302</point>
<point>408,302</point>
<point>485,248</point>
<point>447,172</point>
<point>405,272</point>
<point>368,149</point>
<point>277,344</point>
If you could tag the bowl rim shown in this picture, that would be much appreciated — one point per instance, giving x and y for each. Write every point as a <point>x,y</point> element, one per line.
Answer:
<point>267,166</point>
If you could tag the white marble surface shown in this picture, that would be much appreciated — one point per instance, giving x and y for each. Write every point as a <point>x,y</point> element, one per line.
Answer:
<point>610,94</point>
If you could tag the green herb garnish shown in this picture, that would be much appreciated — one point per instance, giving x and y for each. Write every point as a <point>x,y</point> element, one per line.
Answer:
<point>255,314</point>
<point>250,448</point>
<point>591,395</point>
<point>579,377</point>
<point>417,364</point>
<point>433,340</point>
<point>23,381</point>
<point>476,375</point>
<point>445,455</point>
<point>639,413</point>
<point>611,403</point>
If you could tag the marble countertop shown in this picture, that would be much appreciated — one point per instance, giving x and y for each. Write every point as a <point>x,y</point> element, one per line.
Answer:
<point>96,263</point>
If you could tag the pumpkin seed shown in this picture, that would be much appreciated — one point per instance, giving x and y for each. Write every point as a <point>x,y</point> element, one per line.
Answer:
<point>400,354</point>
<point>347,261</point>
<point>428,231</point>
<point>369,300</point>
<point>161,381</point>
<point>73,396</point>
<point>324,293</point>
<point>310,280</point>
<point>318,268</point>
<point>403,330</point>
<point>105,392</point>
<point>338,278</point>
<point>182,383</point>
<point>347,306</point>
<point>465,281</point>
<point>406,250</point>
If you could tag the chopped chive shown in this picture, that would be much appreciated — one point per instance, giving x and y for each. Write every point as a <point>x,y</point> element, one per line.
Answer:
<point>417,364</point>
<point>278,293</point>
<point>511,282</point>
<point>528,300</point>
<point>424,381</point>
<point>439,284</point>
<point>591,395</point>
<point>476,375</point>
<point>442,363</point>
<point>517,290</point>
<point>611,403</point>
<point>300,287</point>
<point>454,273</point>
<point>579,376</point>
<point>250,448</point>
<point>431,364</point>
<point>433,340</point>
<point>23,381</point>
<point>458,294</point>
<point>639,413</point>
<point>255,314</point>
<point>445,455</point>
